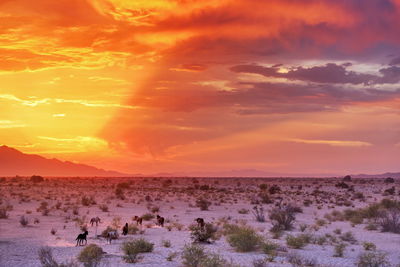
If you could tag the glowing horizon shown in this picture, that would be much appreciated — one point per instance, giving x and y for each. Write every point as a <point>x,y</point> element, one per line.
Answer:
<point>172,85</point>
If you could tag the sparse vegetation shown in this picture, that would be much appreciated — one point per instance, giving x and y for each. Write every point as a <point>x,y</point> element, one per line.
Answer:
<point>203,235</point>
<point>91,255</point>
<point>132,249</point>
<point>244,238</point>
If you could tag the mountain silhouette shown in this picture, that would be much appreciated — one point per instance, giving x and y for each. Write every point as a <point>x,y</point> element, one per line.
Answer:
<point>14,162</point>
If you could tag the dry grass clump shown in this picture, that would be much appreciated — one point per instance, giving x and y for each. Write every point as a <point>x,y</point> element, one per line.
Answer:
<point>3,213</point>
<point>203,204</point>
<point>283,218</point>
<point>47,260</point>
<point>299,241</point>
<point>23,221</point>
<point>242,238</point>
<point>203,235</point>
<point>373,259</point>
<point>91,255</point>
<point>132,249</point>
<point>196,256</point>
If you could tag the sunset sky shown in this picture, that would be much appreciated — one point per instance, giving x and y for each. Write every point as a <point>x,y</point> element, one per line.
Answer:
<point>140,86</point>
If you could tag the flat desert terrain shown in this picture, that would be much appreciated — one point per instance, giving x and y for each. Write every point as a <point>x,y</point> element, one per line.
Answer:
<point>247,222</point>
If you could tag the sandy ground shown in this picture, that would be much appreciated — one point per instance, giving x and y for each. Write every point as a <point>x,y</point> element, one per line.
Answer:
<point>19,245</point>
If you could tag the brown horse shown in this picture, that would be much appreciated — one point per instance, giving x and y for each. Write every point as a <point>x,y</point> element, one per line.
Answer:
<point>160,221</point>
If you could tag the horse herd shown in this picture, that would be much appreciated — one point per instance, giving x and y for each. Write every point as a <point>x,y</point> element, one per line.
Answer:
<point>81,239</point>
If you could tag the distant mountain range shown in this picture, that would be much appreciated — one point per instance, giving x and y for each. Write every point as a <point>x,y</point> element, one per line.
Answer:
<point>14,162</point>
<point>383,175</point>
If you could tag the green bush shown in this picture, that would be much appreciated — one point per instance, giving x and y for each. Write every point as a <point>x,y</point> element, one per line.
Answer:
<point>373,259</point>
<point>91,255</point>
<point>205,235</point>
<point>369,246</point>
<point>107,230</point>
<point>269,248</point>
<point>297,242</point>
<point>244,239</point>
<point>132,248</point>
<point>195,256</point>
<point>203,204</point>
<point>192,255</point>
<point>339,250</point>
<point>148,217</point>
<point>132,229</point>
<point>283,218</point>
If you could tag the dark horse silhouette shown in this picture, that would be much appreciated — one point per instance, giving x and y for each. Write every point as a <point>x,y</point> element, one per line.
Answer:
<point>160,220</point>
<point>125,229</point>
<point>81,238</point>
<point>200,223</point>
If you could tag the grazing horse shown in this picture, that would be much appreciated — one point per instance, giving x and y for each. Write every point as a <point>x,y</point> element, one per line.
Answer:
<point>111,235</point>
<point>81,238</point>
<point>125,229</point>
<point>95,220</point>
<point>139,220</point>
<point>200,223</point>
<point>160,221</point>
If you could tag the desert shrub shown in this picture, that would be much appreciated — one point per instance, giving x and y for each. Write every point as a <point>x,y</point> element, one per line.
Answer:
<point>132,249</point>
<point>166,243</point>
<point>354,216</point>
<point>269,248</point>
<point>119,193</point>
<point>389,180</point>
<point>203,204</point>
<point>369,246</point>
<point>132,229</point>
<point>339,250</point>
<point>192,255</point>
<point>195,256</point>
<point>274,189</point>
<point>390,220</point>
<point>243,211</point>
<point>258,212</point>
<point>154,209</point>
<point>373,259</point>
<point>47,260</point>
<point>36,179</point>
<point>214,260</point>
<point>3,213</point>
<point>148,217</point>
<point>388,203</point>
<point>297,242</point>
<point>46,257</point>
<point>260,263</point>
<point>53,231</point>
<point>282,218</point>
<point>91,255</point>
<point>372,211</point>
<point>203,235</point>
<point>23,221</point>
<point>107,230</point>
<point>123,185</point>
<point>265,198</point>
<point>43,208</point>
<point>263,187</point>
<point>244,239</point>
<point>87,201</point>
<point>348,237</point>
<point>298,261</point>
<point>103,208</point>
<point>171,256</point>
